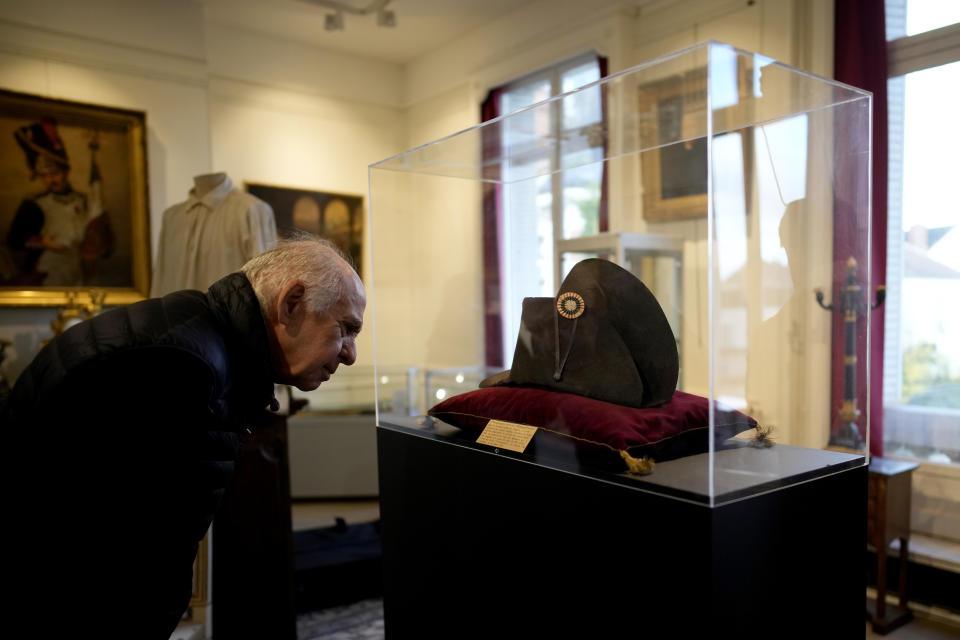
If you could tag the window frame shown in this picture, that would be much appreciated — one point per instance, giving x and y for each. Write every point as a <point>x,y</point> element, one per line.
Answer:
<point>554,75</point>
<point>907,54</point>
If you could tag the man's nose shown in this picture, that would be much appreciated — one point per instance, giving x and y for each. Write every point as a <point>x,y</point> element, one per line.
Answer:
<point>348,354</point>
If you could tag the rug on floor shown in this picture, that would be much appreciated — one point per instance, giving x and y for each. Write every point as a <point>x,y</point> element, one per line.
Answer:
<point>358,621</point>
<point>334,566</point>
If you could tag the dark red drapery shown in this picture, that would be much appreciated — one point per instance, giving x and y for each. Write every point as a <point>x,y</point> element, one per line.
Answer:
<point>492,232</point>
<point>603,213</point>
<point>860,59</point>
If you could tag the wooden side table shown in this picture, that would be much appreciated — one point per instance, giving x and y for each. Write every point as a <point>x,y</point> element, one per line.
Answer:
<point>888,517</point>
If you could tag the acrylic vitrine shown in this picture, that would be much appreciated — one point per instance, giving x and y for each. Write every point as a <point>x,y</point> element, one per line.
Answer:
<point>740,185</point>
<point>736,189</point>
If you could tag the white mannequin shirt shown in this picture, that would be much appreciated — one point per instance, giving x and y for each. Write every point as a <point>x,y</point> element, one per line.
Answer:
<point>212,234</point>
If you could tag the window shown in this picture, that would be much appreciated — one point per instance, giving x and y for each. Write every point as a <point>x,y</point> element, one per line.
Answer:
<point>921,386</point>
<point>567,203</point>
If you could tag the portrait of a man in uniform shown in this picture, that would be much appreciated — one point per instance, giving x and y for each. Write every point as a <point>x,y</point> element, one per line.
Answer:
<point>58,234</point>
<point>74,202</point>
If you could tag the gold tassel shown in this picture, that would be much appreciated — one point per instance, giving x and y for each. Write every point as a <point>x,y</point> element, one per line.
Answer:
<point>640,466</point>
<point>763,437</point>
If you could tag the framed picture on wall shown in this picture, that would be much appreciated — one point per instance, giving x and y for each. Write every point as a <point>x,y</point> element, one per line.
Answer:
<point>674,168</point>
<point>73,201</point>
<point>338,217</point>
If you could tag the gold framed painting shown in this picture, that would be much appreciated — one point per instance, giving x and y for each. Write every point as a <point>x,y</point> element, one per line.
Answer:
<point>73,201</point>
<point>673,112</point>
<point>338,217</point>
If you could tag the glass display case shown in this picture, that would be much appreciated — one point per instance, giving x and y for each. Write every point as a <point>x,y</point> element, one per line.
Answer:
<point>439,384</point>
<point>736,188</point>
<point>351,390</point>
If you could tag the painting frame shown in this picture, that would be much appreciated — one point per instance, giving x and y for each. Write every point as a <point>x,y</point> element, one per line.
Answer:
<point>126,132</point>
<point>662,104</point>
<point>337,216</point>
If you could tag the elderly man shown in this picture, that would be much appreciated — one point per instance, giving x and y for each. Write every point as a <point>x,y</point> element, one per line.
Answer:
<point>121,435</point>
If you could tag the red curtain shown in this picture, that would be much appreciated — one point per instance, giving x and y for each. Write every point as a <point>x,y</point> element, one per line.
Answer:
<point>492,232</point>
<point>860,59</point>
<point>603,213</point>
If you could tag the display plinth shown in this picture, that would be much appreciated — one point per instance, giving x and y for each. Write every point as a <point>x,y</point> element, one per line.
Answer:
<point>481,544</point>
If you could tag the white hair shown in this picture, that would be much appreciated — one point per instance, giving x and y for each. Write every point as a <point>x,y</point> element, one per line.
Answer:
<point>321,266</point>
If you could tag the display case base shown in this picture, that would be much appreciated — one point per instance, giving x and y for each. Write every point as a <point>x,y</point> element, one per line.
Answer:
<point>477,544</point>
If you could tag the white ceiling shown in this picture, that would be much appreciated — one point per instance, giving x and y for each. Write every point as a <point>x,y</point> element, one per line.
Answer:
<point>422,25</point>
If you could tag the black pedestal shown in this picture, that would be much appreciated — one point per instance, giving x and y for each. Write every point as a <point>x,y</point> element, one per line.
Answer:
<point>477,544</point>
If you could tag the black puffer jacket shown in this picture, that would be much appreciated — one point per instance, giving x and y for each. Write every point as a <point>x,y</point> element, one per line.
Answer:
<point>120,438</point>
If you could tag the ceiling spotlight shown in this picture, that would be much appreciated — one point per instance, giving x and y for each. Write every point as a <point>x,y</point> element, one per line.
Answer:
<point>334,21</point>
<point>386,18</point>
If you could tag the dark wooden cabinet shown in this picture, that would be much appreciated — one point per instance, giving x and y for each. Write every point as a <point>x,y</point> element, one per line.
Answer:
<point>889,484</point>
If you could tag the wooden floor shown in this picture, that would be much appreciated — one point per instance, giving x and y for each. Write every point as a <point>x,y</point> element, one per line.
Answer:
<point>920,629</point>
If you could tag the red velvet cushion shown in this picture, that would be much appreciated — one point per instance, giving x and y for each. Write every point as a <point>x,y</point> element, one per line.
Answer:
<point>675,429</point>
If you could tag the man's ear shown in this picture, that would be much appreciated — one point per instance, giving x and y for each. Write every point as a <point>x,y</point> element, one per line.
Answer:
<point>290,302</point>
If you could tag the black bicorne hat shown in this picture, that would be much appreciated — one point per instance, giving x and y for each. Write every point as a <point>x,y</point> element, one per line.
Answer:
<point>604,336</point>
<point>42,144</point>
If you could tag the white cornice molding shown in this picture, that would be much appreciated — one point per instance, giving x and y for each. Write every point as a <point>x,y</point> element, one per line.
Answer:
<point>297,100</point>
<point>68,48</point>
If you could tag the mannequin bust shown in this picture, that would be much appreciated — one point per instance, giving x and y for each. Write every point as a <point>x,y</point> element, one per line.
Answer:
<point>210,234</point>
<point>204,184</point>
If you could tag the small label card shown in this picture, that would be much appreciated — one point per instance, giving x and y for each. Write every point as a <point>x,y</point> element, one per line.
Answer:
<point>507,435</point>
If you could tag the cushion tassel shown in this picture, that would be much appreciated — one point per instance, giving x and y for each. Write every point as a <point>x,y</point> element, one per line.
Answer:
<point>762,437</point>
<point>640,466</point>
